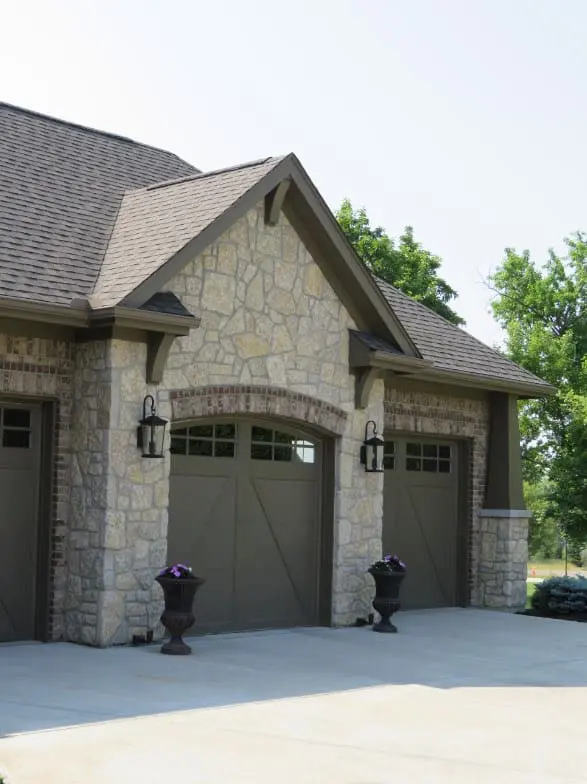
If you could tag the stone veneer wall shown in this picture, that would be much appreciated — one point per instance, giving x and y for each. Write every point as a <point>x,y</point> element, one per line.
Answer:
<point>503,560</point>
<point>42,369</point>
<point>119,501</point>
<point>269,320</point>
<point>431,410</point>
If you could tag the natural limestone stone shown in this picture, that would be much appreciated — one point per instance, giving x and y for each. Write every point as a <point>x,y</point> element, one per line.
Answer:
<point>111,616</point>
<point>282,341</point>
<point>251,345</point>
<point>254,299</point>
<point>227,258</point>
<point>218,293</point>
<point>313,281</point>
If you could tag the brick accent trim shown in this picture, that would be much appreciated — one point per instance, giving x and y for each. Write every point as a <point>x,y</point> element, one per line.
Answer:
<point>236,399</point>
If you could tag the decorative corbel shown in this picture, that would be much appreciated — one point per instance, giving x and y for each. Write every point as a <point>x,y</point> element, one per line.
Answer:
<point>157,353</point>
<point>364,380</point>
<point>274,202</point>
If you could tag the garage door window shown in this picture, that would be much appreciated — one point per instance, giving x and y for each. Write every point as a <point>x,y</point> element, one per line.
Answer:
<point>267,444</point>
<point>15,428</point>
<point>430,458</point>
<point>205,441</point>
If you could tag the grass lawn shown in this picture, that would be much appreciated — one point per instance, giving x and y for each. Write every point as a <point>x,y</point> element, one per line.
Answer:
<point>554,568</point>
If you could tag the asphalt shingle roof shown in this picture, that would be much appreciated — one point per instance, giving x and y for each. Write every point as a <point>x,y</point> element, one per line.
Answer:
<point>89,214</point>
<point>60,190</point>
<point>155,223</point>
<point>450,348</point>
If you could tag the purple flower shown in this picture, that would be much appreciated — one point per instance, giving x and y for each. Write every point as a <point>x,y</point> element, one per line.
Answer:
<point>176,570</point>
<point>390,563</point>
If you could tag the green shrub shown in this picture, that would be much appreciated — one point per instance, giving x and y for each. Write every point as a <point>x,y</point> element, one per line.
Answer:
<point>561,596</point>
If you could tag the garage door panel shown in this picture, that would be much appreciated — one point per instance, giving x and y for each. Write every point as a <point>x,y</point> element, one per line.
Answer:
<point>19,468</point>
<point>421,518</point>
<point>282,537</point>
<point>258,533</point>
<point>202,534</point>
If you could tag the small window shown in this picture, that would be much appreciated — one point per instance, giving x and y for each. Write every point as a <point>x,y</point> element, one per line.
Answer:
<point>280,447</point>
<point>428,458</point>
<point>15,428</point>
<point>205,441</point>
<point>389,456</point>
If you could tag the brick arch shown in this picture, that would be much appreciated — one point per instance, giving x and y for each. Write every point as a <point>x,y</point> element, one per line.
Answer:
<point>237,399</point>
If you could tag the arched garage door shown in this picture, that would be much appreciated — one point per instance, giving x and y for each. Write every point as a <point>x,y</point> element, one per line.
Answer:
<point>244,512</point>
<point>421,518</point>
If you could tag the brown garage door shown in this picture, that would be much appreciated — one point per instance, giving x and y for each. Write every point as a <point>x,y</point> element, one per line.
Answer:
<point>244,513</point>
<point>19,480</point>
<point>420,518</point>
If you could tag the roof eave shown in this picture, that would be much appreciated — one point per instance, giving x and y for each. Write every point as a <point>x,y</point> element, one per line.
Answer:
<point>520,388</point>
<point>62,315</point>
<point>149,320</point>
<point>80,316</point>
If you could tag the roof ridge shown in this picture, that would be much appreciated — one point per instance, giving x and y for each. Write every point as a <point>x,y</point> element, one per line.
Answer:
<point>212,172</point>
<point>89,129</point>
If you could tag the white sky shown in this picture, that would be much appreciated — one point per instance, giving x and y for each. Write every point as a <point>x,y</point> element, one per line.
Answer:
<point>463,118</point>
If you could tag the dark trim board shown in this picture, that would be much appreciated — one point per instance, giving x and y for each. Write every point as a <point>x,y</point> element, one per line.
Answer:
<point>326,557</point>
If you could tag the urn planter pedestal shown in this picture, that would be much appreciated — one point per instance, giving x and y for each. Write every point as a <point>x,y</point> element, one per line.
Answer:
<point>386,601</point>
<point>178,615</point>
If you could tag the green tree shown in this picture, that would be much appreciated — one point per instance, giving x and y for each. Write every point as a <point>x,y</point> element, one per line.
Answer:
<point>544,540</point>
<point>543,310</point>
<point>404,264</point>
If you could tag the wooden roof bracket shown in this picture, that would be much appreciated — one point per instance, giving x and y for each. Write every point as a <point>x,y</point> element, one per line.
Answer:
<point>274,202</point>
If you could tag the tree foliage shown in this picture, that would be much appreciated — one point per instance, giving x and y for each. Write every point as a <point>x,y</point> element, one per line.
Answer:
<point>404,263</point>
<point>543,310</point>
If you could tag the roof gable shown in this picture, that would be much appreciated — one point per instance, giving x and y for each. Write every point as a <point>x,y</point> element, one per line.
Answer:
<point>181,219</point>
<point>157,222</point>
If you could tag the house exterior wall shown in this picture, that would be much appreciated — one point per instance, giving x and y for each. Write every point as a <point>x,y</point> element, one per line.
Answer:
<point>270,322</point>
<point>42,369</point>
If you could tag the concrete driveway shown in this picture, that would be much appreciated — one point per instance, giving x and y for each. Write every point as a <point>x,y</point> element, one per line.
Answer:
<point>458,695</point>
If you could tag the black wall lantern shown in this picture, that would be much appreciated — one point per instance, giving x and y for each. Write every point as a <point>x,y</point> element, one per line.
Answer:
<point>372,449</point>
<point>151,431</point>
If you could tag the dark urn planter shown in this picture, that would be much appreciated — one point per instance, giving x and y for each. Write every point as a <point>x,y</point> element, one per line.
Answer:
<point>386,601</point>
<point>178,616</point>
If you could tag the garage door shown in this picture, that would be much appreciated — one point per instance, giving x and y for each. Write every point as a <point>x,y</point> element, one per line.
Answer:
<point>244,512</point>
<point>420,521</point>
<point>19,480</point>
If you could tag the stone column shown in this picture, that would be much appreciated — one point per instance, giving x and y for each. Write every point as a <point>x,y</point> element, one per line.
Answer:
<point>118,540</point>
<point>503,560</point>
<point>358,518</point>
<point>503,526</point>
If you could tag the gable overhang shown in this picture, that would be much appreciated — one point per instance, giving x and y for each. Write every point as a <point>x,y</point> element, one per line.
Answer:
<point>287,187</point>
<point>523,390</point>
